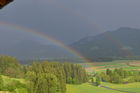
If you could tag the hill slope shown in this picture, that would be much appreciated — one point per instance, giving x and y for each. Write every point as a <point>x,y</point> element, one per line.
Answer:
<point>121,43</point>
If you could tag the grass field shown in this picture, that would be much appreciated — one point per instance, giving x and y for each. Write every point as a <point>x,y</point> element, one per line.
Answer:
<point>132,87</point>
<point>87,88</point>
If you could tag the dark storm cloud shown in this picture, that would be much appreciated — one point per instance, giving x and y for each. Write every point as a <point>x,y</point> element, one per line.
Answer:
<point>70,20</point>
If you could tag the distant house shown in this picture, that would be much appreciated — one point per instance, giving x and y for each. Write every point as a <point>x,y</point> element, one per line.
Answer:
<point>4,3</point>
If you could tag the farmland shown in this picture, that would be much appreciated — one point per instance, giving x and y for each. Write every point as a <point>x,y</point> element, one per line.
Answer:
<point>102,66</point>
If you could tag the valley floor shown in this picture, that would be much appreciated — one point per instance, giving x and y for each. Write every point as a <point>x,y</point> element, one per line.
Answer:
<point>87,88</point>
<point>131,87</point>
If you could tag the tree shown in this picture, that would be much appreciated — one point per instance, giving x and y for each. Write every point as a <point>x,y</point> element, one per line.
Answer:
<point>98,80</point>
<point>43,83</point>
<point>104,77</point>
<point>1,83</point>
<point>10,66</point>
<point>92,80</point>
<point>109,72</point>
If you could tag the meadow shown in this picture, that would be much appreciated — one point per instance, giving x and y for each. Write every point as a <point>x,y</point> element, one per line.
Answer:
<point>88,88</point>
<point>132,87</point>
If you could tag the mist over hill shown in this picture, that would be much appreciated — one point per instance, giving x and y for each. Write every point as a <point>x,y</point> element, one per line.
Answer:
<point>121,43</point>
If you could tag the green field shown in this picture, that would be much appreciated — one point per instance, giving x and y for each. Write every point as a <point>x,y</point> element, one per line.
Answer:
<point>132,87</point>
<point>87,88</point>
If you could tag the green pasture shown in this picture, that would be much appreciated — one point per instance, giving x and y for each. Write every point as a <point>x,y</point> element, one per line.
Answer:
<point>132,87</point>
<point>87,88</point>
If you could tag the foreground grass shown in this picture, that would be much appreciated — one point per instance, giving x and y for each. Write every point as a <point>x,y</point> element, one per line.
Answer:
<point>87,88</point>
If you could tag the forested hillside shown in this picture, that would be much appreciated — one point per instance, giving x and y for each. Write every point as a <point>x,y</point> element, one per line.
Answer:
<point>122,43</point>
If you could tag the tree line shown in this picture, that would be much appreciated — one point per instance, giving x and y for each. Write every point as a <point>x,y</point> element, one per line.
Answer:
<point>43,77</point>
<point>116,76</point>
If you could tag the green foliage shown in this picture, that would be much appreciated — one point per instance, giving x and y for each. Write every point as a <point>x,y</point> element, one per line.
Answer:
<point>92,80</point>
<point>75,74</point>
<point>42,77</point>
<point>10,66</point>
<point>51,77</point>
<point>115,78</point>
<point>1,83</point>
<point>120,76</point>
<point>98,80</point>
<point>43,83</point>
<point>46,77</point>
<point>14,84</point>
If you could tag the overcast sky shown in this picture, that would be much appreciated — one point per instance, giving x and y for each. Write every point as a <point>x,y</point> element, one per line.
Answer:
<point>70,20</point>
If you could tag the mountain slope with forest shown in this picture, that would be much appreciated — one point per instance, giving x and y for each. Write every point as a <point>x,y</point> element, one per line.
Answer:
<point>121,43</point>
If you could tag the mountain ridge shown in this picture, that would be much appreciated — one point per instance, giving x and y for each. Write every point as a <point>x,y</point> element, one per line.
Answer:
<point>120,43</point>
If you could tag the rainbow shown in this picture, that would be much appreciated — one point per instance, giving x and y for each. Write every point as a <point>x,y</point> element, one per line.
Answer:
<point>59,43</point>
<point>45,36</point>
